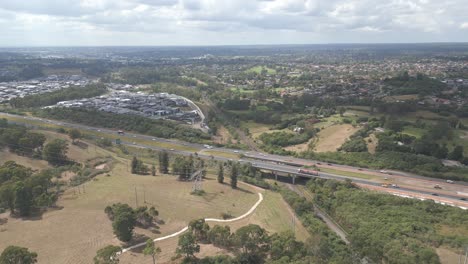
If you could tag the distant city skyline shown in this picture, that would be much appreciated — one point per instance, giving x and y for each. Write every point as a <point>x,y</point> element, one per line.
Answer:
<point>234,22</point>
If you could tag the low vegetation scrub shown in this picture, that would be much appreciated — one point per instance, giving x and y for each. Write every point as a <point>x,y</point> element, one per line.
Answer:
<point>143,125</point>
<point>396,230</point>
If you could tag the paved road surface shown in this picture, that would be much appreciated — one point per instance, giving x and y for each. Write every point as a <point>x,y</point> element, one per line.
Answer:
<point>275,163</point>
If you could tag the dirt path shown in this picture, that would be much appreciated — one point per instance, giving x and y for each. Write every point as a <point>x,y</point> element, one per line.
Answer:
<point>252,209</point>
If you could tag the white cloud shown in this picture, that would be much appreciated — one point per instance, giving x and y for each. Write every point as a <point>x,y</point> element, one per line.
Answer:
<point>164,22</point>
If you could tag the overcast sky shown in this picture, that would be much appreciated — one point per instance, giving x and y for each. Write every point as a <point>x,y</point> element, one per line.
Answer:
<point>229,22</point>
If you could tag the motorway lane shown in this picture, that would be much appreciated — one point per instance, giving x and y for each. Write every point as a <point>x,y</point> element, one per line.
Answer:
<point>270,162</point>
<point>401,191</point>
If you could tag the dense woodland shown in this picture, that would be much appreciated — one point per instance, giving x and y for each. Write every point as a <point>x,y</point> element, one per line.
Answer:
<point>421,84</point>
<point>158,128</point>
<point>396,230</point>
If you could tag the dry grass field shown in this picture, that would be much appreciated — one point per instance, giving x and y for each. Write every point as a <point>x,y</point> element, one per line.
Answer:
<point>223,136</point>
<point>35,164</point>
<point>273,214</point>
<point>74,233</point>
<point>332,137</point>
<point>256,129</point>
<point>78,227</point>
<point>300,147</point>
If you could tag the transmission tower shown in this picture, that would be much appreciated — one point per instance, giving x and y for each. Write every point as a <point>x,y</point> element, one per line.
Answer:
<point>197,177</point>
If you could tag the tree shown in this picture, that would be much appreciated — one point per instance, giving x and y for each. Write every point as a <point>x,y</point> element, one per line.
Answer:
<point>107,255</point>
<point>55,152</point>
<point>341,110</point>
<point>457,153</point>
<point>220,236</point>
<point>17,255</point>
<point>253,241</point>
<point>124,220</point>
<point>23,199</point>
<point>74,134</point>
<point>7,196</point>
<point>153,212</point>
<point>153,170</point>
<point>163,162</point>
<point>199,229</point>
<point>234,172</point>
<point>151,250</point>
<point>187,245</point>
<point>221,173</point>
<point>285,244</point>
<point>138,167</point>
<point>134,165</point>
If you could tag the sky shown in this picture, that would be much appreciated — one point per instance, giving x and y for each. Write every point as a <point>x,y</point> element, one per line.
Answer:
<point>229,22</point>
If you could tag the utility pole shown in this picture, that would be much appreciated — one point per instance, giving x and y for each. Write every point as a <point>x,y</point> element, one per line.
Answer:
<point>136,197</point>
<point>466,255</point>
<point>293,221</point>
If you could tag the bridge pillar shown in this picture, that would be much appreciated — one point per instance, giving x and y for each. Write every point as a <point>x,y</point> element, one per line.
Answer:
<point>276,175</point>
<point>294,179</point>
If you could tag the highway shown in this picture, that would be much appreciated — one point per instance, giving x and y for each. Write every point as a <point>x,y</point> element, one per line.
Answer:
<point>274,163</point>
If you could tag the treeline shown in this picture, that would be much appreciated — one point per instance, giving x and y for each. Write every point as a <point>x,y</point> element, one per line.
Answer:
<point>65,94</point>
<point>324,245</point>
<point>21,141</point>
<point>22,191</point>
<point>253,244</point>
<point>150,75</point>
<point>427,144</point>
<point>421,84</point>
<point>416,163</point>
<point>395,230</point>
<point>158,128</point>
<point>124,219</point>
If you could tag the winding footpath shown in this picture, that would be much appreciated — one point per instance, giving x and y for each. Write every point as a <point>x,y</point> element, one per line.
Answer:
<point>260,199</point>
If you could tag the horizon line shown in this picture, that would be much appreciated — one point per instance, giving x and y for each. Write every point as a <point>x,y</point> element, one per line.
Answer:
<point>240,45</point>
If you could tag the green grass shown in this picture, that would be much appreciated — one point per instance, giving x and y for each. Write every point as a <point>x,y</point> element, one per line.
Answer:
<point>347,173</point>
<point>228,155</point>
<point>273,216</point>
<point>460,138</point>
<point>258,70</point>
<point>414,131</point>
<point>242,90</point>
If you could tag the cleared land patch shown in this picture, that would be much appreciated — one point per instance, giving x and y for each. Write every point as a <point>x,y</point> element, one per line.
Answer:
<point>35,164</point>
<point>259,69</point>
<point>256,129</point>
<point>332,137</point>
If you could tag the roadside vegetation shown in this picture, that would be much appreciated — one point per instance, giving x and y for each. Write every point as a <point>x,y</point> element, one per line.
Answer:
<point>65,94</point>
<point>392,223</point>
<point>157,128</point>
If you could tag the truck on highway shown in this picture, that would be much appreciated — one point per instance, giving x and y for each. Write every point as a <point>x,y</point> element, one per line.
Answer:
<point>437,186</point>
<point>385,185</point>
<point>310,172</point>
<point>120,132</point>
